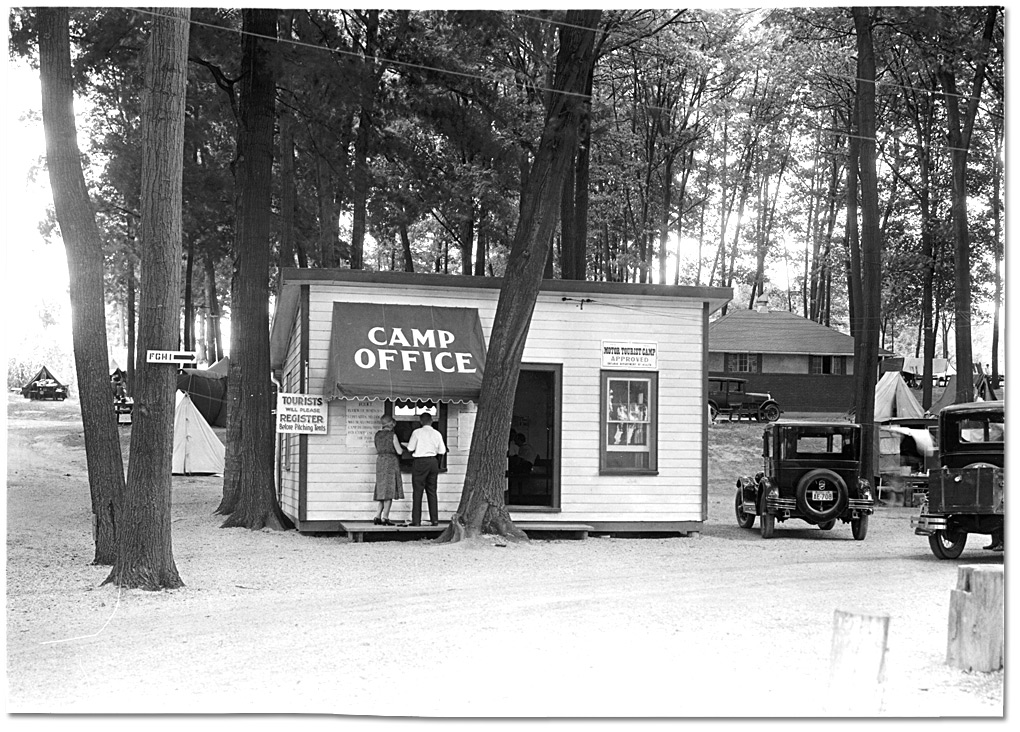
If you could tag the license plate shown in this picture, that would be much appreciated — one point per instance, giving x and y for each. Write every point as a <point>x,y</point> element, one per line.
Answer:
<point>822,495</point>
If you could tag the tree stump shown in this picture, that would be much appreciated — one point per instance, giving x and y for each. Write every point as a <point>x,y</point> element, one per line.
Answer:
<point>857,664</point>
<point>976,613</point>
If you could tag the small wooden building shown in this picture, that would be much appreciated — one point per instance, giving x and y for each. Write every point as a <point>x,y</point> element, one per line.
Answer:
<point>805,366</point>
<point>611,394</point>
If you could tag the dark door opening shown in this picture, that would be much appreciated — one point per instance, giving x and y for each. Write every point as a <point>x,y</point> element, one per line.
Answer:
<point>533,465</point>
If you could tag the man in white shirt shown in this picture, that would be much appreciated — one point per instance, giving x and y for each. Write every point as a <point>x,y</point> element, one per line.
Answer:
<point>426,444</point>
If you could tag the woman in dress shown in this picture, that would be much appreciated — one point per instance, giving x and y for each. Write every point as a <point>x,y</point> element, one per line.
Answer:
<point>388,484</point>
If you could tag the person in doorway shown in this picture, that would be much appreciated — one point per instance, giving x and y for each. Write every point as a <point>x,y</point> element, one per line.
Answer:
<point>522,462</point>
<point>426,445</point>
<point>525,452</point>
<point>388,483</point>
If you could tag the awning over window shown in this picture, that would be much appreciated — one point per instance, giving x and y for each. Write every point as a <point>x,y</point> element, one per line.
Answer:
<point>423,352</point>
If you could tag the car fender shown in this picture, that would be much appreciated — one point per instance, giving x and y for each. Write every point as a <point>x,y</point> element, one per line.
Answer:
<point>747,488</point>
<point>766,485</point>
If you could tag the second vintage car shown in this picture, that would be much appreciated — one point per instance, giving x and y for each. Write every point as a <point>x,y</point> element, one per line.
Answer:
<point>728,395</point>
<point>965,496</point>
<point>812,472</point>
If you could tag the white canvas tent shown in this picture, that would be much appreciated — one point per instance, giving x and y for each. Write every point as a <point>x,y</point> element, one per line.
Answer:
<point>197,449</point>
<point>893,398</point>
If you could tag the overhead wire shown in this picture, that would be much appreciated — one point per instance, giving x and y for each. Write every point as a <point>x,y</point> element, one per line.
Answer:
<point>480,76</point>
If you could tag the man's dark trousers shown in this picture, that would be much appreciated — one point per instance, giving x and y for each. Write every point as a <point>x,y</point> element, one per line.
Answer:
<point>424,477</point>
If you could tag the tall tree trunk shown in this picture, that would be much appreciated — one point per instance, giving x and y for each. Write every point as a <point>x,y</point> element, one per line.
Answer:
<point>996,206</point>
<point>482,245</point>
<point>131,320</point>
<point>232,458</point>
<point>667,207</point>
<point>144,548</point>
<point>568,227</point>
<point>581,183</point>
<point>362,178</point>
<point>288,191</point>
<point>481,507</point>
<point>328,221</point>
<point>405,243</point>
<point>855,292</point>
<point>871,245</point>
<point>257,505</point>
<point>214,343</point>
<point>467,238</point>
<point>83,245</point>
<point>959,144</point>
<point>189,304</point>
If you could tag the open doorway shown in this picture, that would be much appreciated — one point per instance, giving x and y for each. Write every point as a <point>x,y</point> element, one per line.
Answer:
<point>533,474</point>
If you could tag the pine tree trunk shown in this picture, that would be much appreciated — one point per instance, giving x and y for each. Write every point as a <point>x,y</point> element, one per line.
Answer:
<point>214,344</point>
<point>871,245</point>
<point>959,142</point>
<point>481,508</point>
<point>189,305</point>
<point>362,178</point>
<point>257,505</point>
<point>83,245</point>
<point>144,548</point>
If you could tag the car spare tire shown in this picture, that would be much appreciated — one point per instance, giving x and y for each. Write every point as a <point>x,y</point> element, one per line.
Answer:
<point>816,507</point>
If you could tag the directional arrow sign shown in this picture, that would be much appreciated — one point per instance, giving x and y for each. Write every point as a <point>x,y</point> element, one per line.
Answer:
<point>171,357</point>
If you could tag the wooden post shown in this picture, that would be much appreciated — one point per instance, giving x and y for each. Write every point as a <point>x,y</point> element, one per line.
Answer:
<point>857,664</point>
<point>976,612</point>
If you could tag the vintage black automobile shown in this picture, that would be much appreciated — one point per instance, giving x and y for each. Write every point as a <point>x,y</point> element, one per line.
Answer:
<point>728,395</point>
<point>813,473</point>
<point>965,496</point>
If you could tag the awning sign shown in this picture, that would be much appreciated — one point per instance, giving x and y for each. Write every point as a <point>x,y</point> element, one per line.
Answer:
<point>305,414</point>
<point>629,355</point>
<point>425,352</point>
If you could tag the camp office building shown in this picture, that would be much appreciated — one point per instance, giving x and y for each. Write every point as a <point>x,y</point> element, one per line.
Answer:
<point>611,395</point>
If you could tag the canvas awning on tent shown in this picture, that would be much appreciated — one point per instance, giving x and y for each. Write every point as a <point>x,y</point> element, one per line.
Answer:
<point>913,365</point>
<point>425,352</point>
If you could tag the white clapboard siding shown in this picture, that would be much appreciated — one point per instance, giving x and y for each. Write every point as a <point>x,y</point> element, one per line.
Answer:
<point>341,478</point>
<point>290,475</point>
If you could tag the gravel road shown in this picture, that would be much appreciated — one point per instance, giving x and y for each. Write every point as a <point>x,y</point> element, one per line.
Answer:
<point>719,625</point>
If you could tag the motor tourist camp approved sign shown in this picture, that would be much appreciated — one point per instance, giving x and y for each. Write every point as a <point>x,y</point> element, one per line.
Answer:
<point>629,355</point>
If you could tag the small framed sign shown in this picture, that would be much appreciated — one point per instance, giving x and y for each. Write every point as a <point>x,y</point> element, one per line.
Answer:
<point>629,355</point>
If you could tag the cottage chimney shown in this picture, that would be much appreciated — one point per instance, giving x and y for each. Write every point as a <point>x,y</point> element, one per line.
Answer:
<point>762,305</point>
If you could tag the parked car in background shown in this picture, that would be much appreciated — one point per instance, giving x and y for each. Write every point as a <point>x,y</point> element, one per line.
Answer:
<point>728,395</point>
<point>965,496</point>
<point>812,472</point>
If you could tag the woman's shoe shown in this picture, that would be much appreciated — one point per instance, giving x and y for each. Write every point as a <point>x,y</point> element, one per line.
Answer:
<point>377,521</point>
<point>387,522</point>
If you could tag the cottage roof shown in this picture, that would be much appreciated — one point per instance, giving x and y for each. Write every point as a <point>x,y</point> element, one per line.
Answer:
<point>775,331</point>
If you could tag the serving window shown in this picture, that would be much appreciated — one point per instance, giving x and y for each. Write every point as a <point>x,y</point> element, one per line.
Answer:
<point>629,422</point>
<point>407,414</point>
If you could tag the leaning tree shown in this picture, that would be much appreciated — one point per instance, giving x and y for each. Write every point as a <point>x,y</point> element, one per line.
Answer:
<point>481,508</point>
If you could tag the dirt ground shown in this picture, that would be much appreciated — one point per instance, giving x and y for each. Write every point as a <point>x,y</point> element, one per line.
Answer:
<point>720,625</point>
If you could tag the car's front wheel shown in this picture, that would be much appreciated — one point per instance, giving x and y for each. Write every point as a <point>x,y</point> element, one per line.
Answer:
<point>768,412</point>
<point>768,525</point>
<point>947,544</point>
<point>827,525</point>
<point>859,527</point>
<point>745,520</point>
